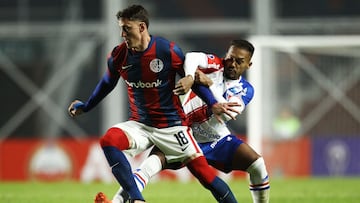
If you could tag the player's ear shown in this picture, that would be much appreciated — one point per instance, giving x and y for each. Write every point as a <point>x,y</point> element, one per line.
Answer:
<point>142,27</point>
<point>250,63</point>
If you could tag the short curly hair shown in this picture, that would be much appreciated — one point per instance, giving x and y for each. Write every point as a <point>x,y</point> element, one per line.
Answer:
<point>243,44</point>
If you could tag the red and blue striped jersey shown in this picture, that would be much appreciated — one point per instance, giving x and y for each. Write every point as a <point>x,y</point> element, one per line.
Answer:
<point>150,79</point>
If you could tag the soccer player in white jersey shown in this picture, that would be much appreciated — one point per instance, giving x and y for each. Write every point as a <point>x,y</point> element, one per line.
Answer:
<point>223,151</point>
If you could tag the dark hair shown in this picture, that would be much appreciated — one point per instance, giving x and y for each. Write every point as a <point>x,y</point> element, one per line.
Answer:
<point>134,12</point>
<point>243,44</point>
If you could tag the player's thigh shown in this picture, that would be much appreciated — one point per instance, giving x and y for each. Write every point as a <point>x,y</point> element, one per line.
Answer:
<point>229,153</point>
<point>220,153</point>
<point>137,135</point>
<point>177,143</point>
<point>243,157</point>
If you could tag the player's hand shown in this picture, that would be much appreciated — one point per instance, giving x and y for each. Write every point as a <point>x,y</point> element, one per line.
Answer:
<point>76,108</point>
<point>201,78</point>
<point>183,85</point>
<point>228,109</point>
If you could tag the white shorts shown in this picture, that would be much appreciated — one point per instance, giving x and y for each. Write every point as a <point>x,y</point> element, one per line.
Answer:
<point>177,143</point>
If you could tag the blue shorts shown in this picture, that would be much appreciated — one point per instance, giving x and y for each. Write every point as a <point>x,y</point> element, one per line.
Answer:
<point>220,154</point>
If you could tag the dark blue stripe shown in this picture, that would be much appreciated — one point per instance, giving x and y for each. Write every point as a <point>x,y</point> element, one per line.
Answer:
<point>163,52</point>
<point>259,189</point>
<point>135,75</point>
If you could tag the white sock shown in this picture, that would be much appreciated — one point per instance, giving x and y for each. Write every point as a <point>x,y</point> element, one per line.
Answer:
<point>149,167</point>
<point>259,181</point>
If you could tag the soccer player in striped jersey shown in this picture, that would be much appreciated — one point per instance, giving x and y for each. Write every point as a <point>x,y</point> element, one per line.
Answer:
<point>224,151</point>
<point>149,65</point>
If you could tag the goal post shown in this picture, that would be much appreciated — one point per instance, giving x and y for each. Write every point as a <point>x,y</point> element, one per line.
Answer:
<point>300,72</point>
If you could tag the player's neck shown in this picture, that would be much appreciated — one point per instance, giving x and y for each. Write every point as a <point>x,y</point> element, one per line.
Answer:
<point>144,44</point>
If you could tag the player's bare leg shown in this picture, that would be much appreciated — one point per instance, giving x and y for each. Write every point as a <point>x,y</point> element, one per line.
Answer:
<point>246,159</point>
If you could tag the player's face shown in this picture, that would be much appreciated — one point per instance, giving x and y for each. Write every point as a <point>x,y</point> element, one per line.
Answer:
<point>237,60</point>
<point>131,32</point>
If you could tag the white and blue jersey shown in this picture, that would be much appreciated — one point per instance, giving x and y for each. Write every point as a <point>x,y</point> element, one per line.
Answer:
<point>214,138</point>
<point>206,128</point>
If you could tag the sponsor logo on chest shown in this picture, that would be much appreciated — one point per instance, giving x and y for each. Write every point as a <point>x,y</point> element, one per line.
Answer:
<point>141,84</point>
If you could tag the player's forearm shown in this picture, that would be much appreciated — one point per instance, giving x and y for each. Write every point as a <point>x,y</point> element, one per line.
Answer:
<point>205,94</point>
<point>218,95</point>
<point>103,88</point>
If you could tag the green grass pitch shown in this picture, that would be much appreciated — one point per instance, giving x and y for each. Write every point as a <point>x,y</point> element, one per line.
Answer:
<point>309,190</point>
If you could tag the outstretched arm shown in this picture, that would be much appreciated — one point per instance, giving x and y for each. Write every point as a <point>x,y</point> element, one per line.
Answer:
<point>103,88</point>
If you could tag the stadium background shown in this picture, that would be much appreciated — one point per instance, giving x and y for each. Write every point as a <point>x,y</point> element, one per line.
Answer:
<point>54,51</point>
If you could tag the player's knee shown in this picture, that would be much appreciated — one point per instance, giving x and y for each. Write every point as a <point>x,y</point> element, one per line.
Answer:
<point>201,170</point>
<point>115,137</point>
<point>156,151</point>
<point>257,171</point>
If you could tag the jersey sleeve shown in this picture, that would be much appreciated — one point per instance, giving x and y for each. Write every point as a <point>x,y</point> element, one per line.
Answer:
<point>116,60</point>
<point>249,93</point>
<point>193,60</point>
<point>243,98</point>
<point>103,88</point>
<point>107,82</point>
<point>213,64</point>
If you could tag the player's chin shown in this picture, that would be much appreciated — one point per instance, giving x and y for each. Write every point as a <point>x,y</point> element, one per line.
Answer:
<point>128,43</point>
<point>231,75</point>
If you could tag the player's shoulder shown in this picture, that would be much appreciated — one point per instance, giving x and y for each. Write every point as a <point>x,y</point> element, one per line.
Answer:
<point>212,58</point>
<point>214,64</point>
<point>245,82</point>
<point>161,40</point>
<point>119,49</point>
<point>246,85</point>
<point>116,58</point>
<point>163,44</point>
<point>119,52</point>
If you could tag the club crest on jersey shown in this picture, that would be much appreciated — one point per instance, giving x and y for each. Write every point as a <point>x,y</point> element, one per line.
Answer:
<point>236,90</point>
<point>156,65</point>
